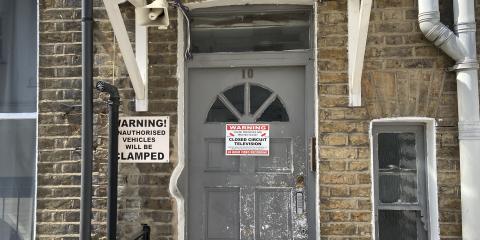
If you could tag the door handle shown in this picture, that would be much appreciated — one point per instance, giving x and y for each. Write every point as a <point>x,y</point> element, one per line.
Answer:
<point>299,198</point>
<point>299,202</point>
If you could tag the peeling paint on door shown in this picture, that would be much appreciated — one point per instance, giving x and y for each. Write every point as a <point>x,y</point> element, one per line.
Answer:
<point>247,197</point>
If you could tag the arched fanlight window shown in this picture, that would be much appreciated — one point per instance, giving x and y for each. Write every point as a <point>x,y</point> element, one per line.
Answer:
<point>247,100</point>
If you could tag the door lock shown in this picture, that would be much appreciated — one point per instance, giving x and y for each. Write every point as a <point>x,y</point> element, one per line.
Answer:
<point>300,183</point>
<point>299,202</point>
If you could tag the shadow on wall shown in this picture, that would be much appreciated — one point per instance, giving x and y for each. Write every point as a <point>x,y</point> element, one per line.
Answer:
<point>401,93</point>
<point>7,230</point>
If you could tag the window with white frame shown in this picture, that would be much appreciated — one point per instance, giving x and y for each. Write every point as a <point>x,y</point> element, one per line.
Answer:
<point>18,117</point>
<point>400,182</point>
<point>251,28</point>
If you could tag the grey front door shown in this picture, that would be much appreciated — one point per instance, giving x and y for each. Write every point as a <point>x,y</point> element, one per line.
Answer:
<point>246,197</point>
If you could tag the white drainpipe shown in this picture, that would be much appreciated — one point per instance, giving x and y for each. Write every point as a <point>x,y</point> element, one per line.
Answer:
<point>461,46</point>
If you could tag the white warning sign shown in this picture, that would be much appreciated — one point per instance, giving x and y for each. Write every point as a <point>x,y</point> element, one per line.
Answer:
<point>247,140</point>
<point>143,139</point>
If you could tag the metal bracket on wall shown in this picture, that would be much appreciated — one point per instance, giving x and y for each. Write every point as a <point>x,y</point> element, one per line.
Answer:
<point>358,20</point>
<point>146,15</point>
<point>68,108</point>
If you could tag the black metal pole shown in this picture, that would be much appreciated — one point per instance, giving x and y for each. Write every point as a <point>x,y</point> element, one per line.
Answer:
<point>87,120</point>
<point>113,104</point>
<point>146,232</point>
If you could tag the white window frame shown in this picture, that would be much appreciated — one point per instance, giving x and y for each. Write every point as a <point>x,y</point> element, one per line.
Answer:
<point>29,116</point>
<point>18,116</point>
<point>430,168</point>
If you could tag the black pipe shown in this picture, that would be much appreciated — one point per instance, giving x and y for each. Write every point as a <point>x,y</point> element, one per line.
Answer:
<point>144,234</point>
<point>87,121</point>
<point>113,105</point>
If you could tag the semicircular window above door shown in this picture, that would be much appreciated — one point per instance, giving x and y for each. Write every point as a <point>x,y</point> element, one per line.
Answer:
<point>247,102</point>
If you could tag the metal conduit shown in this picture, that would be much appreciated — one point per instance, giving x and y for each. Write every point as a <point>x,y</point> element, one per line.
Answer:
<point>113,105</point>
<point>87,121</point>
<point>461,46</point>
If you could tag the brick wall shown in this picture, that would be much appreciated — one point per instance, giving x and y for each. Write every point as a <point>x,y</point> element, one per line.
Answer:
<point>404,75</point>
<point>143,188</point>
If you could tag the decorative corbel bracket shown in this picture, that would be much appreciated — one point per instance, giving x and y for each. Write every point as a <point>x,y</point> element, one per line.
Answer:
<point>358,20</point>
<point>154,14</point>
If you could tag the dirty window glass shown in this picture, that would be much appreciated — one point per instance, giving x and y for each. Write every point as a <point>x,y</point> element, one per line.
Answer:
<point>396,187</point>
<point>397,167</point>
<point>219,113</point>
<point>265,106</point>
<point>18,50</point>
<point>400,225</point>
<point>258,95</point>
<point>235,96</point>
<point>244,32</point>
<point>17,178</point>
<point>1,39</point>
<point>276,112</point>
<point>397,151</point>
<point>401,195</point>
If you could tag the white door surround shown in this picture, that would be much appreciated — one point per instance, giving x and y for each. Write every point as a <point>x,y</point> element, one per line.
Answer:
<point>275,59</point>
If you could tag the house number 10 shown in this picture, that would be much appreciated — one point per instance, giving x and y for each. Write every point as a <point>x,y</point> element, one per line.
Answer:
<point>247,73</point>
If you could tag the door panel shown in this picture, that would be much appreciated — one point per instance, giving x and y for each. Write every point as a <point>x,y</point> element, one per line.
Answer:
<point>247,197</point>
<point>273,219</point>
<point>280,159</point>
<point>216,159</point>
<point>222,213</point>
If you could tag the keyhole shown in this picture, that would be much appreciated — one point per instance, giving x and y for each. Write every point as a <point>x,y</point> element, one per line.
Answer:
<point>300,182</point>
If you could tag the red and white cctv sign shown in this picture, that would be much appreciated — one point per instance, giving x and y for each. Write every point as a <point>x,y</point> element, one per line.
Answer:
<point>247,140</point>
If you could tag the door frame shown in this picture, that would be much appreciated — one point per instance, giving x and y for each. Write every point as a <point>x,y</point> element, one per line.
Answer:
<point>179,178</point>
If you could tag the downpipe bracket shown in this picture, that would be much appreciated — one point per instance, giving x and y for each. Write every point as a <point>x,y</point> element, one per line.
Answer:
<point>469,130</point>
<point>464,65</point>
<point>465,27</point>
<point>428,16</point>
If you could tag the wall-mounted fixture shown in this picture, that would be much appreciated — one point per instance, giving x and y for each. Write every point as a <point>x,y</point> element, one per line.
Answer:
<point>154,14</point>
<point>358,20</point>
<point>461,45</point>
<point>146,15</point>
